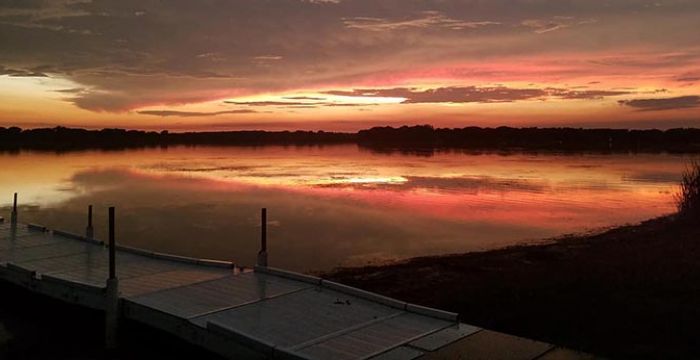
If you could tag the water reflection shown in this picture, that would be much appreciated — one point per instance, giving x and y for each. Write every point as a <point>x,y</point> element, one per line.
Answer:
<point>336,205</point>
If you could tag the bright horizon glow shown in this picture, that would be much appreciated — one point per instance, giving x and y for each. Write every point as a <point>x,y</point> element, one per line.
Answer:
<point>351,64</point>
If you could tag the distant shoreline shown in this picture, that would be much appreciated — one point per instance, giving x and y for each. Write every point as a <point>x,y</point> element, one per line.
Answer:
<point>409,139</point>
<point>628,292</point>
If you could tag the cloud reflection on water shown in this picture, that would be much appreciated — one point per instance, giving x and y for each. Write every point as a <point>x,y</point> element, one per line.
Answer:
<point>333,206</point>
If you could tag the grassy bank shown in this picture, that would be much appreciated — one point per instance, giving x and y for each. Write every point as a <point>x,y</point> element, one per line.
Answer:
<point>629,292</point>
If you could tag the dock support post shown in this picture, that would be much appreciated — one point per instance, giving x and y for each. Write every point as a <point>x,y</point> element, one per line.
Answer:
<point>89,231</point>
<point>112,292</point>
<point>13,216</point>
<point>262,254</point>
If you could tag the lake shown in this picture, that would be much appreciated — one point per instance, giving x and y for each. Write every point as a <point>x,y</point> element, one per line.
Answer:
<point>336,205</point>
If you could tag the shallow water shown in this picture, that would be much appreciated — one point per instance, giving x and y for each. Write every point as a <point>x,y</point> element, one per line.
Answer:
<point>336,205</point>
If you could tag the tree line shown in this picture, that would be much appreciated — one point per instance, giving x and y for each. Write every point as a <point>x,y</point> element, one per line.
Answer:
<point>377,138</point>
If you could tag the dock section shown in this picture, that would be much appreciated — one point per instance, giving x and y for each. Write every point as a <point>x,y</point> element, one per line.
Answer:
<point>258,313</point>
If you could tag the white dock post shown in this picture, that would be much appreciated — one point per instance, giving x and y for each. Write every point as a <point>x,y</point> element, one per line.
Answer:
<point>13,216</point>
<point>112,292</point>
<point>262,254</point>
<point>89,231</point>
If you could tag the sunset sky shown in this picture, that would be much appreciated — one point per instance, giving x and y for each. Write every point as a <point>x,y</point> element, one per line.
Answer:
<point>349,64</point>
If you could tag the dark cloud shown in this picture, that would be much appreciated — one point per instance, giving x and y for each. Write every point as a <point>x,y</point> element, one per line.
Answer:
<point>304,98</point>
<point>348,104</point>
<point>270,103</point>
<point>473,94</point>
<point>70,91</point>
<point>136,53</point>
<point>446,94</point>
<point>692,76</point>
<point>295,104</point>
<point>192,113</point>
<point>20,72</point>
<point>646,60</point>
<point>681,102</point>
<point>587,94</point>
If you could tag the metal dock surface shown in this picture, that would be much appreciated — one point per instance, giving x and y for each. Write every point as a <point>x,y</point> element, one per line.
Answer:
<point>248,314</point>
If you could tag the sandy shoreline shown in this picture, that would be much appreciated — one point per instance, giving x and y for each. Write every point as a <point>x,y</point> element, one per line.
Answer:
<point>628,292</point>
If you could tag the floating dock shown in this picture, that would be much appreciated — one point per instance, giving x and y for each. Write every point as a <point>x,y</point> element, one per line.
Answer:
<point>258,313</point>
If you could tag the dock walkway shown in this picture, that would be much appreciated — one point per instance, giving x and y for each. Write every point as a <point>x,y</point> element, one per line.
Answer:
<point>247,314</point>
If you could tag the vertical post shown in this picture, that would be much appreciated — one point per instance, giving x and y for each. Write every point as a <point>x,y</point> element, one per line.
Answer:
<point>13,216</point>
<point>112,292</point>
<point>89,231</point>
<point>112,245</point>
<point>262,254</point>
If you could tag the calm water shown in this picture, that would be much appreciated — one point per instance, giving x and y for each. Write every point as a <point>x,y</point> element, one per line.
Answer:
<point>337,205</point>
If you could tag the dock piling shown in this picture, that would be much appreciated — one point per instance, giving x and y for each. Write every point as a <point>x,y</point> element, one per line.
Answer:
<point>13,216</point>
<point>112,291</point>
<point>201,300</point>
<point>262,254</point>
<point>112,245</point>
<point>89,231</point>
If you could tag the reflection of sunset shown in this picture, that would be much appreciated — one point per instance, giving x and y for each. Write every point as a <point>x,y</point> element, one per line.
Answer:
<point>447,202</point>
<point>361,180</point>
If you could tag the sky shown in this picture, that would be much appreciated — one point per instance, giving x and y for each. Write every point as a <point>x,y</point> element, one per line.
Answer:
<point>345,65</point>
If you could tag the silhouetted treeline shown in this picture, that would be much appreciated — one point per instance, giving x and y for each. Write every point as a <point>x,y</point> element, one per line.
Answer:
<point>66,139</point>
<point>404,138</point>
<point>564,139</point>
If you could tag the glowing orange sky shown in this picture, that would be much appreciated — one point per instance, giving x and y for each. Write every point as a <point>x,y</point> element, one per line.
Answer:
<point>349,64</point>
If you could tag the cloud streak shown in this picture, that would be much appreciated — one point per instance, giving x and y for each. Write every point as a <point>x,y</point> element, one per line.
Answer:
<point>474,94</point>
<point>316,102</point>
<point>674,103</point>
<point>166,113</point>
<point>556,23</point>
<point>21,72</point>
<point>426,19</point>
